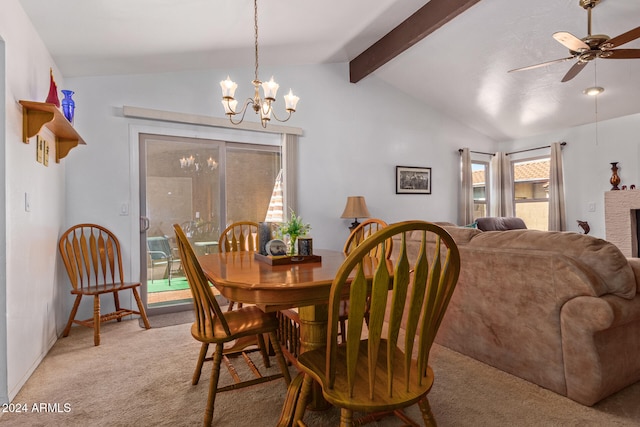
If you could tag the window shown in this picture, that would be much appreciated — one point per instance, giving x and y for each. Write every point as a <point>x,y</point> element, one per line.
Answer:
<point>480,177</point>
<point>531,191</point>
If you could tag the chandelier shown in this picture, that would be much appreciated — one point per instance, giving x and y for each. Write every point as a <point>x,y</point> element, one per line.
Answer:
<point>264,107</point>
<point>193,164</point>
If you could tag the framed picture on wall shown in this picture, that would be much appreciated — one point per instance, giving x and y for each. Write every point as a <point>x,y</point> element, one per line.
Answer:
<point>39,148</point>
<point>413,180</point>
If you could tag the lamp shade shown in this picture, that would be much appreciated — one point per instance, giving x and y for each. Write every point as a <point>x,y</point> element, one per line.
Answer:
<point>356,208</point>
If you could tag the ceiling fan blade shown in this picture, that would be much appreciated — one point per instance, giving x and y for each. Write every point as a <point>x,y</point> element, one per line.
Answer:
<point>622,54</point>
<point>530,67</point>
<point>573,71</point>
<point>570,41</point>
<point>622,39</point>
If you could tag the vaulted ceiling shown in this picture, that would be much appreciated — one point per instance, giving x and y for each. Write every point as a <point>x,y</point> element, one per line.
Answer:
<point>457,64</point>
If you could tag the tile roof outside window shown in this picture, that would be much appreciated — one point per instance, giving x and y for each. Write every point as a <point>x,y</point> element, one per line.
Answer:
<point>534,170</point>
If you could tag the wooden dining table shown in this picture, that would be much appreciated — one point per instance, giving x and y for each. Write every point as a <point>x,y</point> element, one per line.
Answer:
<point>240,277</point>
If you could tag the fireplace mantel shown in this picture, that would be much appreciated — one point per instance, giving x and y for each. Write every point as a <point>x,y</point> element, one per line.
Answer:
<point>620,219</point>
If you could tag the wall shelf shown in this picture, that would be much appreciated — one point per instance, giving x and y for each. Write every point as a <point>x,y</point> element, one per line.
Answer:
<point>35,115</point>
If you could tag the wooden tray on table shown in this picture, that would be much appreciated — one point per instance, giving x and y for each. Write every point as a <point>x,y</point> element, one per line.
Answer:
<point>286,259</point>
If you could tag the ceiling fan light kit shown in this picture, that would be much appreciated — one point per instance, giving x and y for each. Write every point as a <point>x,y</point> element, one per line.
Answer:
<point>590,47</point>
<point>593,91</point>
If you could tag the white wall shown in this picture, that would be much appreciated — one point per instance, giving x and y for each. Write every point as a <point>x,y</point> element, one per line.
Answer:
<point>4,397</point>
<point>354,136</point>
<point>587,165</point>
<point>30,270</point>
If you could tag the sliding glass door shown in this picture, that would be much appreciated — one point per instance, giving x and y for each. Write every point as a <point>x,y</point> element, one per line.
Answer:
<point>203,185</point>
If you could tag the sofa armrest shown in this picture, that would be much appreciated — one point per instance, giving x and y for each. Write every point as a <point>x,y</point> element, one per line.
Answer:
<point>600,345</point>
<point>635,267</point>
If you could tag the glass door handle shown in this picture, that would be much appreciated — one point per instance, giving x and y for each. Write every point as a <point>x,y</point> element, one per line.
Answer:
<point>144,224</point>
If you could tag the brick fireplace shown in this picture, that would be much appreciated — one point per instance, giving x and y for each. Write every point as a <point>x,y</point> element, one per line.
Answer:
<point>620,218</point>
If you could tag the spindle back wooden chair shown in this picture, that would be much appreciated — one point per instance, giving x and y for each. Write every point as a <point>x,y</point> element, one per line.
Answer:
<point>91,255</point>
<point>365,230</point>
<point>239,236</point>
<point>289,331</point>
<point>358,235</point>
<point>212,326</point>
<point>385,372</point>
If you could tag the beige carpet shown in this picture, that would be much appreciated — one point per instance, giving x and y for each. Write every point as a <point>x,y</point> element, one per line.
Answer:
<point>140,377</point>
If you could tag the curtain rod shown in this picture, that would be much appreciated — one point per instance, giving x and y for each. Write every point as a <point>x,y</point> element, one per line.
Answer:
<point>477,152</point>
<point>532,149</point>
<point>513,152</point>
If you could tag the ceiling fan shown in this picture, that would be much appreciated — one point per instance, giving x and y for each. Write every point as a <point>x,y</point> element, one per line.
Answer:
<point>590,47</point>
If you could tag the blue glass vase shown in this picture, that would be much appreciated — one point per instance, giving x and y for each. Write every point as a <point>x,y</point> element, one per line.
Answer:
<point>68,105</point>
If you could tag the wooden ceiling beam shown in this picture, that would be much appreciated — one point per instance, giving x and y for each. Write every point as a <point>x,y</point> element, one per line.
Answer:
<point>426,20</point>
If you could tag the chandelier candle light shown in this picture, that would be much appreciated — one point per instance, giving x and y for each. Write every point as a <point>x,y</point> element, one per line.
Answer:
<point>270,88</point>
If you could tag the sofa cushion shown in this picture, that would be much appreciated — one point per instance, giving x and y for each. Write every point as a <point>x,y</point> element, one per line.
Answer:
<point>602,257</point>
<point>500,223</point>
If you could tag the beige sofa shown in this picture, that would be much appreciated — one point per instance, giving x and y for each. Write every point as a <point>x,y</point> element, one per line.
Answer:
<point>558,309</point>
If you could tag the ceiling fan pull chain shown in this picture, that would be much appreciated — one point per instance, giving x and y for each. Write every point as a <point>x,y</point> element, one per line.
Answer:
<point>595,80</point>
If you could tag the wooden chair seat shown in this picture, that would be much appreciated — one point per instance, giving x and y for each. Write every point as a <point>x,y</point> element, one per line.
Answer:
<point>104,288</point>
<point>315,362</point>
<point>245,321</point>
<point>93,261</point>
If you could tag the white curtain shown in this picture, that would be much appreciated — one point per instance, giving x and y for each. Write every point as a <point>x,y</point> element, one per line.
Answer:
<point>501,186</point>
<point>290,170</point>
<point>465,211</point>
<point>557,214</point>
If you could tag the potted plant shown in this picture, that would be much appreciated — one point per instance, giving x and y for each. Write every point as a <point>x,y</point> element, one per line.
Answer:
<point>294,228</point>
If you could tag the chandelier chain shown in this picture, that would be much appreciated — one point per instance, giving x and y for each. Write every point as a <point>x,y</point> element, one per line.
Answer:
<point>255,27</point>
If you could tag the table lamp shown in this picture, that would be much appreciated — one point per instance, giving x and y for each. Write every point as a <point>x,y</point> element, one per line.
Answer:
<point>356,208</point>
